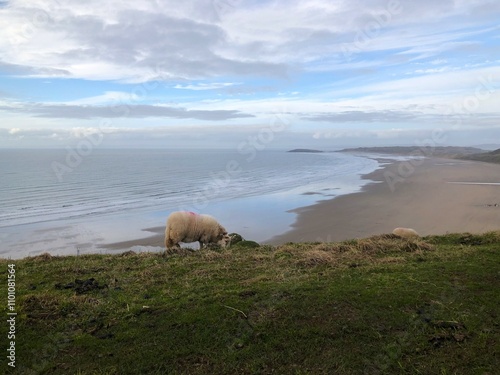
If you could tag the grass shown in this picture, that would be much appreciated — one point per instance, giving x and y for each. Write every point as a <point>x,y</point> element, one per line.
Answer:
<point>488,157</point>
<point>381,305</point>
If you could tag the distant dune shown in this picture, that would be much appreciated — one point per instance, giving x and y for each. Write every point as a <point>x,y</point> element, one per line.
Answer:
<point>441,151</point>
<point>452,152</point>
<point>489,157</point>
<point>463,153</point>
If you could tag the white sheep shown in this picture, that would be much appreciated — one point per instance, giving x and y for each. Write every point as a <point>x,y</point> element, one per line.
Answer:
<point>405,232</point>
<point>183,226</point>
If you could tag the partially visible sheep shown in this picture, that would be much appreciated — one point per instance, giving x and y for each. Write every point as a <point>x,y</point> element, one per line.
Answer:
<point>405,232</point>
<point>183,226</point>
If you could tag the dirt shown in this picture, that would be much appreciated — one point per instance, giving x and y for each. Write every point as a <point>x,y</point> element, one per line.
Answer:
<point>82,286</point>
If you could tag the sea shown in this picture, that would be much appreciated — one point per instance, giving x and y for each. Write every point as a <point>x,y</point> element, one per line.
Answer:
<point>72,202</point>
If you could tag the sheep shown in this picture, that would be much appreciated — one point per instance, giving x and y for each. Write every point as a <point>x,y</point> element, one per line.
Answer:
<point>183,226</point>
<point>405,232</point>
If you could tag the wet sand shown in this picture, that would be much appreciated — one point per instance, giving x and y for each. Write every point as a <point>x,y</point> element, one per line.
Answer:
<point>155,240</point>
<point>432,196</point>
<point>427,195</point>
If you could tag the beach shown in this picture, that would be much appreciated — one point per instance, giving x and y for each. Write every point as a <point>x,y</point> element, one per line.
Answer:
<point>432,196</point>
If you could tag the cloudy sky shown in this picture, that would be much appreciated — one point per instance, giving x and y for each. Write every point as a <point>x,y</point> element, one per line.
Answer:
<point>279,73</point>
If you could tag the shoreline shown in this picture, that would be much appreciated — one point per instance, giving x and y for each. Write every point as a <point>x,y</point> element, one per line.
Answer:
<point>277,208</point>
<point>439,196</point>
<point>154,240</point>
<point>256,212</point>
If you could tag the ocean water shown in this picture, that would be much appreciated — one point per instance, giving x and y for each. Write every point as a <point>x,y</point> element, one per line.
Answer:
<point>63,201</point>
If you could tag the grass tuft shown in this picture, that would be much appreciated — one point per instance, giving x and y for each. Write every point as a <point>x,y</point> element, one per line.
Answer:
<point>42,257</point>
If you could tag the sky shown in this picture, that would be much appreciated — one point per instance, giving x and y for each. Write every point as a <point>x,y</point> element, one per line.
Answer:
<point>262,73</point>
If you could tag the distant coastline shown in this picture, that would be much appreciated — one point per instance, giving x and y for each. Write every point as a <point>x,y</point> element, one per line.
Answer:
<point>448,152</point>
<point>430,151</point>
<point>305,150</point>
<point>436,151</point>
<point>488,157</point>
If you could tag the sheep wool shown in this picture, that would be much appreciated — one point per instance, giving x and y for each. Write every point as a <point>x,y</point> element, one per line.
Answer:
<point>184,226</point>
<point>405,232</point>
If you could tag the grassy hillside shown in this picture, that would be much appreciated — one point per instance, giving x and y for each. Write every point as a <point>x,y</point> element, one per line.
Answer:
<point>437,151</point>
<point>464,153</point>
<point>489,157</point>
<point>381,305</point>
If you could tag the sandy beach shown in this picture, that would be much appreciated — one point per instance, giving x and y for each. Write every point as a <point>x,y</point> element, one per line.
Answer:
<point>433,196</point>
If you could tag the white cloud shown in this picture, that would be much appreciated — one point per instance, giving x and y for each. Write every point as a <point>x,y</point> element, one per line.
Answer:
<point>124,111</point>
<point>137,41</point>
<point>205,86</point>
<point>329,65</point>
<point>109,97</point>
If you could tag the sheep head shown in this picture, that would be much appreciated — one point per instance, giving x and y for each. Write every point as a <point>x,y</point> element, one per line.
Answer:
<point>223,240</point>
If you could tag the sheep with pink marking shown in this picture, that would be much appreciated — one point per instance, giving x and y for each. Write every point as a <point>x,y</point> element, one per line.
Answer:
<point>184,226</point>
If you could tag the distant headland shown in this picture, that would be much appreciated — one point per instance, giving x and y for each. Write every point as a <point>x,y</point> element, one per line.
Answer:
<point>450,152</point>
<point>441,151</point>
<point>305,150</point>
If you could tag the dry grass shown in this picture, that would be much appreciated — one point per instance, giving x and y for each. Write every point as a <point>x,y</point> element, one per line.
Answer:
<point>317,257</point>
<point>178,251</point>
<point>42,257</point>
<point>376,249</point>
<point>212,255</point>
<point>41,307</point>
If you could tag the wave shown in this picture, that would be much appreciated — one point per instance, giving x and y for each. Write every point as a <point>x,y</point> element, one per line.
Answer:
<point>117,181</point>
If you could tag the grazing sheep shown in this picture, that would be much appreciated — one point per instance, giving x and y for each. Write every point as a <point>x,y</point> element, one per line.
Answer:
<point>183,226</point>
<point>405,232</point>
